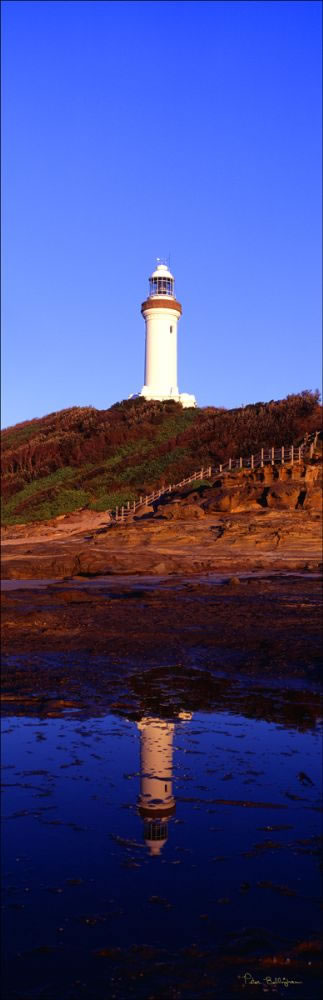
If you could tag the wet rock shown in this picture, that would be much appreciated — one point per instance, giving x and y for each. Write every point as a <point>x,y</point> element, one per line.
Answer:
<point>283,890</point>
<point>108,952</point>
<point>304,778</point>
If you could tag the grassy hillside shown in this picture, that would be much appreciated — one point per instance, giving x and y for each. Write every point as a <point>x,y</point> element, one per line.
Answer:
<point>99,458</point>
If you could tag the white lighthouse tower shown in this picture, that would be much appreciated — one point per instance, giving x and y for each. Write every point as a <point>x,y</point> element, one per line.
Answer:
<point>156,800</point>
<point>161,312</point>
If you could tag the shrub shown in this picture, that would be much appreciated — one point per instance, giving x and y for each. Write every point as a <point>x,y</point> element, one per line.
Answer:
<point>81,455</point>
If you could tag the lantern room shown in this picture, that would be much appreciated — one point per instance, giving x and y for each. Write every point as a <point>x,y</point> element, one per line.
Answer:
<point>161,282</point>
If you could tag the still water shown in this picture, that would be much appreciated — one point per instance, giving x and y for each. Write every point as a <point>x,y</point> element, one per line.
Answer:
<point>158,858</point>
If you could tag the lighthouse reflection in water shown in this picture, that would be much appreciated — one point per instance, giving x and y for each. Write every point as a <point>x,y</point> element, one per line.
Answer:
<point>156,800</point>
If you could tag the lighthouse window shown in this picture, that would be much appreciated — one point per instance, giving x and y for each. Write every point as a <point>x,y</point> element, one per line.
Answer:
<point>155,831</point>
<point>161,286</point>
<point>171,329</point>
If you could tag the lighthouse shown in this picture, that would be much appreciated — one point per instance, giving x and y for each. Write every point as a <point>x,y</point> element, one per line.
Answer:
<point>161,312</point>
<point>156,800</point>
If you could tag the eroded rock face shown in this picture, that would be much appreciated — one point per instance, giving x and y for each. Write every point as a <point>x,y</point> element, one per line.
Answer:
<point>222,500</point>
<point>281,488</point>
<point>313,500</point>
<point>182,512</point>
<point>216,542</point>
<point>269,518</point>
<point>234,498</point>
<point>283,496</point>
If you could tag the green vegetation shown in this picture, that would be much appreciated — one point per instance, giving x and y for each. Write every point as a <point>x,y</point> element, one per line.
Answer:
<point>44,498</point>
<point>109,501</point>
<point>43,509</point>
<point>103,458</point>
<point>153,469</point>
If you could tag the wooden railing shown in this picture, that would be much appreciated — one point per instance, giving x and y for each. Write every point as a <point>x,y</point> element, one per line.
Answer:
<point>284,455</point>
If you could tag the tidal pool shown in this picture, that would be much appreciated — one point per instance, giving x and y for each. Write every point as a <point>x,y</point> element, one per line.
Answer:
<point>162,858</point>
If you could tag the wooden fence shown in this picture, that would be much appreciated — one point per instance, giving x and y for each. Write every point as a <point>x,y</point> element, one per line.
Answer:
<point>284,455</point>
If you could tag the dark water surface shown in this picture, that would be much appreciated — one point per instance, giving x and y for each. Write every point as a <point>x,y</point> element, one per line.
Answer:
<point>143,582</point>
<point>159,858</point>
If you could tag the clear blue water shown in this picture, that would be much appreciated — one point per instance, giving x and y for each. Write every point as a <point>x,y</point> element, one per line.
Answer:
<point>93,908</point>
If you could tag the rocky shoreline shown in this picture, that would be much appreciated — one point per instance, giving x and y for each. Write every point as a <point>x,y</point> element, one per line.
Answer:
<point>215,597</point>
<point>227,543</point>
<point>268,519</point>
<point>131,648</point>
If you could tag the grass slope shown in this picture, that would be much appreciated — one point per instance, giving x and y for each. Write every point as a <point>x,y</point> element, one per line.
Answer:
<point>102,458</point>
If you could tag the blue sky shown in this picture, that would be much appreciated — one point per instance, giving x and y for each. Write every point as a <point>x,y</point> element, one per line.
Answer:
<point>145,129</point>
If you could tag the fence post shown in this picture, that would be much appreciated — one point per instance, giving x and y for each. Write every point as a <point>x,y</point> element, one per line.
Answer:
<point>289,455</point>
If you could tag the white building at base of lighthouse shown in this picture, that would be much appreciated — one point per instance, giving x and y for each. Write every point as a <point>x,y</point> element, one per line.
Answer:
<point>161,312</point>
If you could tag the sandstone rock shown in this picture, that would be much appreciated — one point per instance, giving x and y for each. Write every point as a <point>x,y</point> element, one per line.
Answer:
<point>161,569</point>
<point>313,500</point>
<point>221,500</point>
<point>284,497</point>
<point>181,512</point>
<point>269,517</point>
<point>268,474</point>
<point>285,473</point>
<point>143,511</point>
<point>238,499</point>
<point>313,474</point>
<point>72,596</point>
